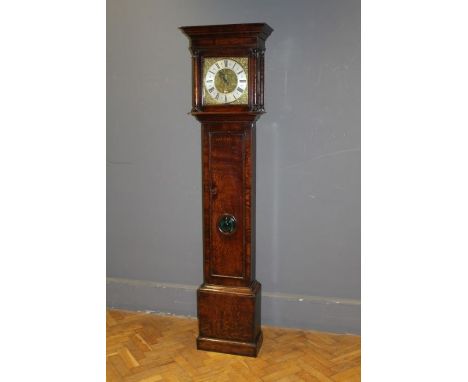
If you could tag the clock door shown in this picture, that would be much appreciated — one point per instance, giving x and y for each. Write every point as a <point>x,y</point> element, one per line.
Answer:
<point>226,174</point>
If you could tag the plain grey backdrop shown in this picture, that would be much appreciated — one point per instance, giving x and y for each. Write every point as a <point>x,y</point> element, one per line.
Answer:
<point>308,159</point>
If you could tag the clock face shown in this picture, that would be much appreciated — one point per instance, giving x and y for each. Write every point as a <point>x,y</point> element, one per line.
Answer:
<point>225,80</point>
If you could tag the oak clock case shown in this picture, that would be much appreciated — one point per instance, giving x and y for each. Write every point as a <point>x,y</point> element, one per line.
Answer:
<point>227,99</point>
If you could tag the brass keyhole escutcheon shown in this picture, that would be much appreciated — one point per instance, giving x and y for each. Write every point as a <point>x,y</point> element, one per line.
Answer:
<point>227,224</point>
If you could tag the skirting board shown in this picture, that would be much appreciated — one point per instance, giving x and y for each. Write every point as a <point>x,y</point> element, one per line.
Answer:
<point>278,309</point>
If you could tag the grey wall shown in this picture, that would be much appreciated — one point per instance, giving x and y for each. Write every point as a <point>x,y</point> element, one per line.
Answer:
<point>308,159</point>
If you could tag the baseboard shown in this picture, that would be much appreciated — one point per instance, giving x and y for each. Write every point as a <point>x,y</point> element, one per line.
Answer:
<point>278,309</point>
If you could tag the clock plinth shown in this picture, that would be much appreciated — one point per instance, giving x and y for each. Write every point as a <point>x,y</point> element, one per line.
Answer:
<point>228,73</point>
<point>229,319</point>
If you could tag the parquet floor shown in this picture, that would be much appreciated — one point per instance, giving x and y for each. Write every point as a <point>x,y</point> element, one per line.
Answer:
<point>147,347</point>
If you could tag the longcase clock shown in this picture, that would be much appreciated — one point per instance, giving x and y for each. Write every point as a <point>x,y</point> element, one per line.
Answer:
<point>227,98</point>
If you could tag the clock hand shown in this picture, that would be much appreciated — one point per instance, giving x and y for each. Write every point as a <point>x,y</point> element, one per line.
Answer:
<point>223,76</point>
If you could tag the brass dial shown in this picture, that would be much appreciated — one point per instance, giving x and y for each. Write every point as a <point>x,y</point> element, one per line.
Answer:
<point>225,80</point>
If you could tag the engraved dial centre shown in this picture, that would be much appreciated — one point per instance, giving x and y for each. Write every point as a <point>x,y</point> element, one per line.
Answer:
<point>225,81</point>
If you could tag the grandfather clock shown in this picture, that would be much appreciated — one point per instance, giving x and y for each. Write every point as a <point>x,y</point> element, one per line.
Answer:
<point>227,98</point>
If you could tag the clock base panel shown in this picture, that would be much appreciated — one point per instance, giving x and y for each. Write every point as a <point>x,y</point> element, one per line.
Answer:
<point>229,319</point>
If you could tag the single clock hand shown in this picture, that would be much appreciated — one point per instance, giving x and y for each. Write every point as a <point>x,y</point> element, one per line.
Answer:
<point>223,75</point>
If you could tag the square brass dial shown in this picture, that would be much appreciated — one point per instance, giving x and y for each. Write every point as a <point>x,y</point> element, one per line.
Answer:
<point>225,80</point>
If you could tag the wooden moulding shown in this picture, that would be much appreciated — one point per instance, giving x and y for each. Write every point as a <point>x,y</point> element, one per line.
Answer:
<point>229,35</point>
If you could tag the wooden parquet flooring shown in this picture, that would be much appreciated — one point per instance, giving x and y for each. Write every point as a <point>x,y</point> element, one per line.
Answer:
<point>147,348</point>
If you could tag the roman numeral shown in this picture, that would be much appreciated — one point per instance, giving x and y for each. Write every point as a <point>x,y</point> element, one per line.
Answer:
<point>239,72</point>
<point>211,90</point>
<point>217,96</point>
<point>217,65</point>
<point>239,90</point>
<point>242,80</point>
<point>225,63</point>
<point>211,72</point>
<point>225,98</point>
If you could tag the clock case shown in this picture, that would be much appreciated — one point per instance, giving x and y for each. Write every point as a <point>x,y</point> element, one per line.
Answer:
<point>229,300</point>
